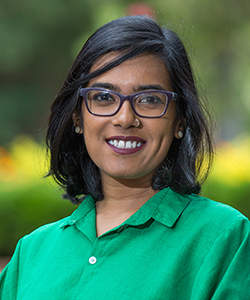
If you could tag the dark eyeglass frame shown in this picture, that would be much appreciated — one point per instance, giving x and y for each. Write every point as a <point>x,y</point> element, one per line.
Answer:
<point>170,96</point>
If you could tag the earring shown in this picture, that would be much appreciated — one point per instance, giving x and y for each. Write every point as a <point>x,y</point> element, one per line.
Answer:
<point>138,123</point>
<point>77,129</point>
<point>180,134</point>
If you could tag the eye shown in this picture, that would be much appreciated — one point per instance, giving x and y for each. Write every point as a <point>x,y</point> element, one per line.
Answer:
<point>101,98</point>
<point>150,99</point>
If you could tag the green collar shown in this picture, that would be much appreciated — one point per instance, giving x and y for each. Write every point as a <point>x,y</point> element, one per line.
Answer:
<point>166,206</point>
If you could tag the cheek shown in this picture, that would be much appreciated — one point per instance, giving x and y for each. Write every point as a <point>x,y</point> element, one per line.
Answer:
<point>88,131</point>
<point>93,128</point>
<point>164,137</point>
<point>165,130</point>
<point>91,143</point>
<point>88,121</point>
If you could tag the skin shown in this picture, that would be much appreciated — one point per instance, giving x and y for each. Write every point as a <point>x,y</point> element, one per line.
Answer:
<point>126,177</point>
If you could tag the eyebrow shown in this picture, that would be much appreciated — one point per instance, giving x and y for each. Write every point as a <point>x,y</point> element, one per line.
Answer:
<point>105,85</point>
<point>139,88</point>
<point>148,87</point>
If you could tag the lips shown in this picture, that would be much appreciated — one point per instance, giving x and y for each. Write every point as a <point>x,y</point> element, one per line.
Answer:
<point>125,145</point>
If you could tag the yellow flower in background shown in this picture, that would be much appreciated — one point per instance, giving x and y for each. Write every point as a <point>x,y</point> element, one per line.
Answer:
<point>29,158</point>
<point>24,164</point>
<point>232,161</point>
<point>7,166</point>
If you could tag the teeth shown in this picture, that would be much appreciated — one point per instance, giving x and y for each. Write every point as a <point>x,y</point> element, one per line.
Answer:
<point>121,144</point>
<point>128,145</point>
<point>124,144</point>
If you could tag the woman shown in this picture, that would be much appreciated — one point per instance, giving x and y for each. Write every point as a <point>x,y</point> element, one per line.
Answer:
<point>127,137</point>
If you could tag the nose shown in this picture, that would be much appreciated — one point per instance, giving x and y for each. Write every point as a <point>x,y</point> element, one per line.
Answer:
<point>125,117</point>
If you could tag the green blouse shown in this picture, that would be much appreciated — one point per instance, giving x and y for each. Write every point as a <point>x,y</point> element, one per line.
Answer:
<point>175,247</point>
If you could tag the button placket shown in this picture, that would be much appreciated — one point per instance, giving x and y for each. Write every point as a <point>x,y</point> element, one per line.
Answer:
<point>98,249</point>
<point>95,253</point>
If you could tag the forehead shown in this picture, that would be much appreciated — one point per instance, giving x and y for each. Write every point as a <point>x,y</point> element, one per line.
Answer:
<point>139,70</point>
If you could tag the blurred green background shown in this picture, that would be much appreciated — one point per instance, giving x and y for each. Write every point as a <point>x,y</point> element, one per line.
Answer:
<point>39,41</point>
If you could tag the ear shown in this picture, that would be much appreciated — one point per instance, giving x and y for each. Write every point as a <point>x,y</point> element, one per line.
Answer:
<point>179,130</point>
<point>77,123</point>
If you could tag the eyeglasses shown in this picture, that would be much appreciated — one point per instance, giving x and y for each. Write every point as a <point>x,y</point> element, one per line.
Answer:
<point>147,104</point>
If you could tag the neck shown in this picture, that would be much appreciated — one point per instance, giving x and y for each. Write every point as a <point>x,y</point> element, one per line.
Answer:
<point>122,198</point>
<point>122,191</point>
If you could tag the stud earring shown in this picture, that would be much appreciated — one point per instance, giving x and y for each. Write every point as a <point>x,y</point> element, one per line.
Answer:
<point>77,129</point>
<point>180,134</point>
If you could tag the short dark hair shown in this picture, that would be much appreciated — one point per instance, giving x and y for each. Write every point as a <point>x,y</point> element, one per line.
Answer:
<point>183,169</point>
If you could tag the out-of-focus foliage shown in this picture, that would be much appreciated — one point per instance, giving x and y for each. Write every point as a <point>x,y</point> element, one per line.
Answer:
<point>28,201</point>
<point>229,181</point>
<point>40,39</point>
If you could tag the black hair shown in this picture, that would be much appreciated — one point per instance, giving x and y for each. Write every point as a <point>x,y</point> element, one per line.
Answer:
<point>183,169</point>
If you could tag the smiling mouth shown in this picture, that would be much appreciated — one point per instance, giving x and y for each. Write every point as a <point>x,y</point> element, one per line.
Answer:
<point>121,144</point>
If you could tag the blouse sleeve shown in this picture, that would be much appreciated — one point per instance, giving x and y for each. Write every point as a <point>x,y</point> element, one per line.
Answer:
<point>9,277</point>
<point>225,273</point>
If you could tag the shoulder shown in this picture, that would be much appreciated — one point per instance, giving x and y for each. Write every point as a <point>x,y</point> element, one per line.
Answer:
<point>50,227</point>
<point>32,245</point>
<point>213,230</point>
<point>200,207</point>
<point>201,215</point>
<point>212,216</point>
<point>44,233</point>
<point>214,209</point>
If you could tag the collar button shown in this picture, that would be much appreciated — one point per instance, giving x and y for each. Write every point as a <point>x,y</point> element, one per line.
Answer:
<point>72,222</point>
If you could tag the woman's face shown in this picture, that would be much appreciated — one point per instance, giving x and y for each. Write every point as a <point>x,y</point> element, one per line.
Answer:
<point>154,134</point>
